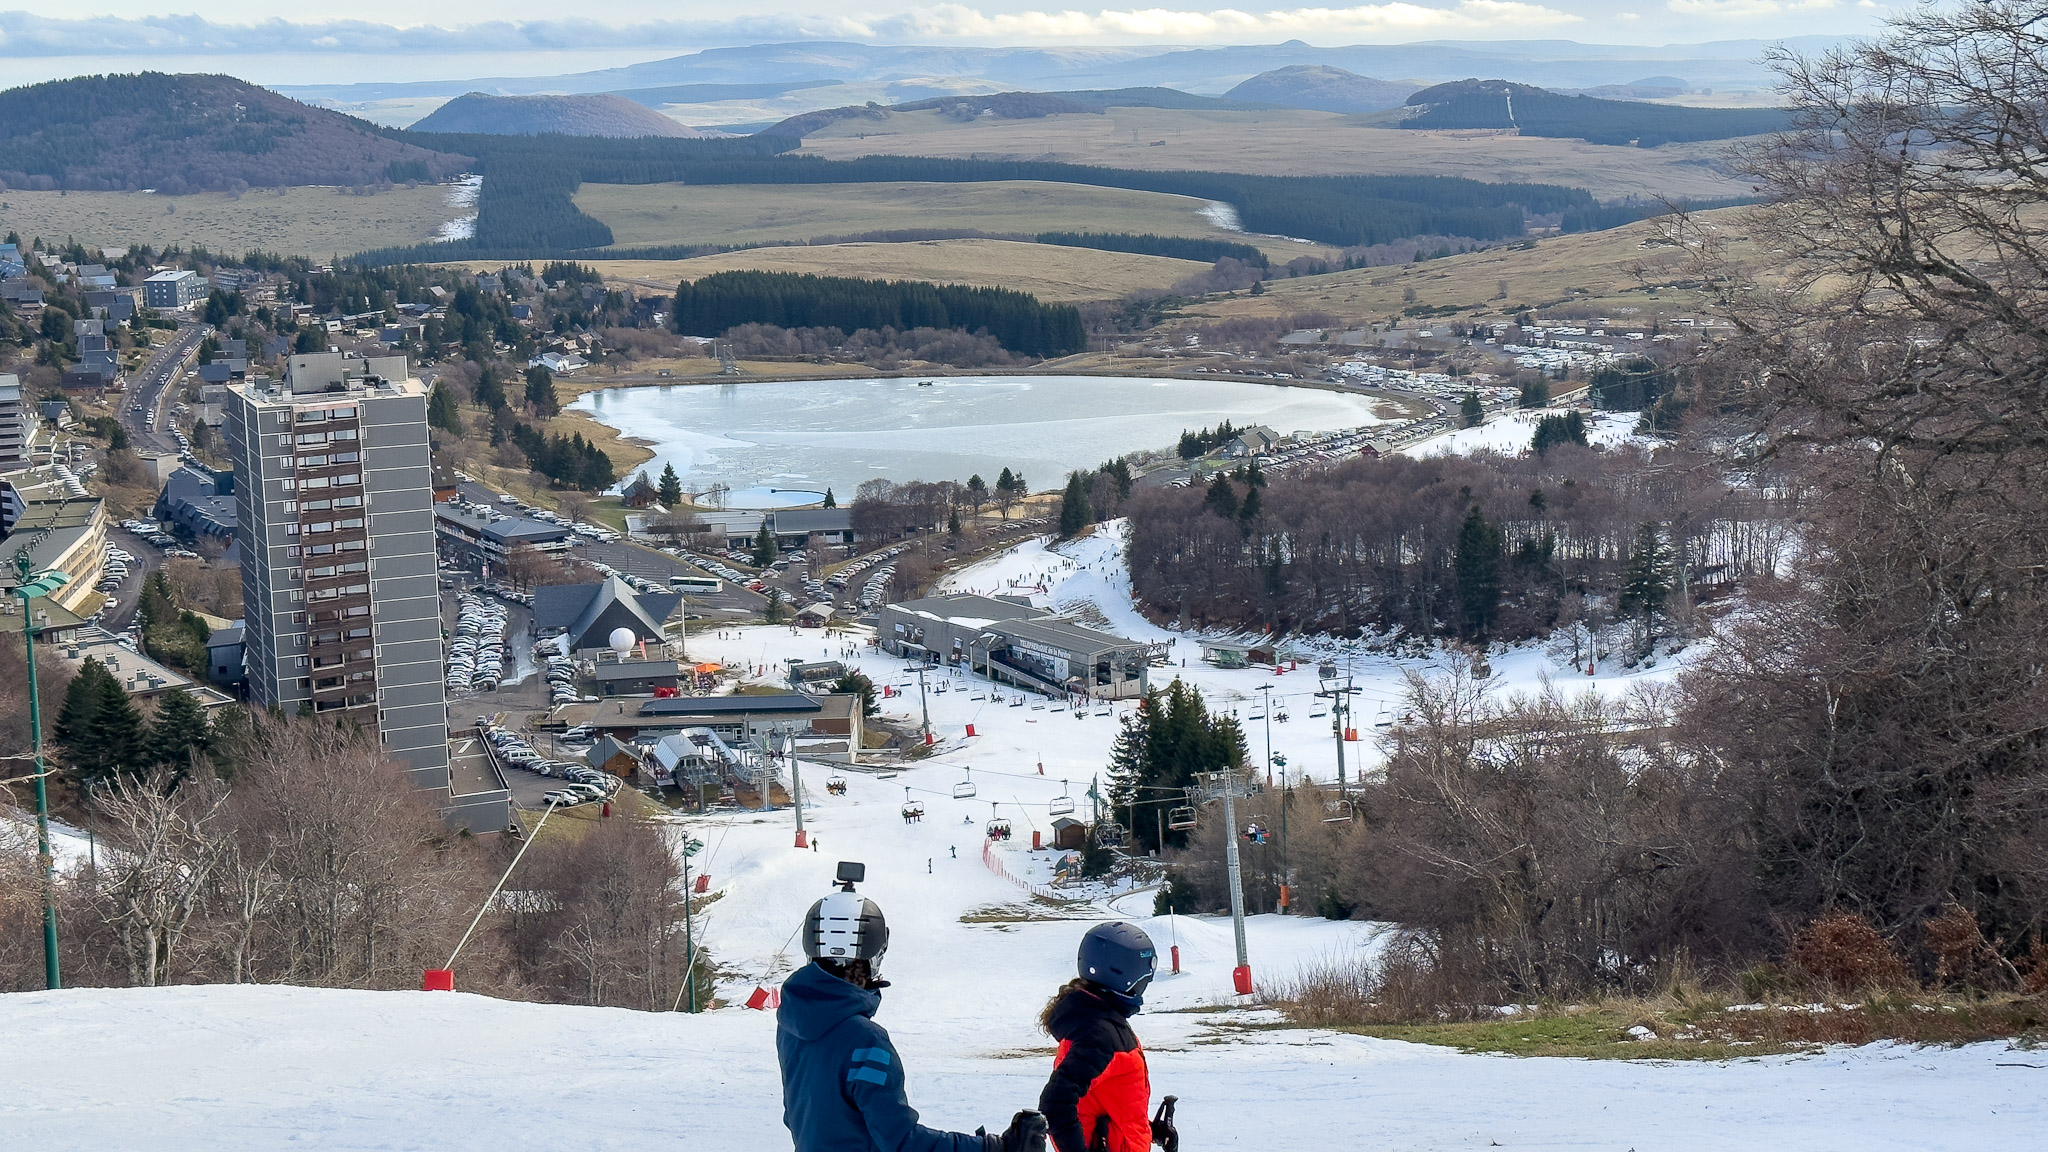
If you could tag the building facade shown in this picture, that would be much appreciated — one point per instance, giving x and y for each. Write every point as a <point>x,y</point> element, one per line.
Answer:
<point>335,521</point>
<point>15,424</point>
<point>171,290</point>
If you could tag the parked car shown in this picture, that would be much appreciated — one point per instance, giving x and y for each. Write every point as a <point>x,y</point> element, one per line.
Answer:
<point>563,799</point>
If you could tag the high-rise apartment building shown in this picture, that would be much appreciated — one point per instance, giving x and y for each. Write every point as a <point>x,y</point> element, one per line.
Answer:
<point>16,425</point>
<point>335,525</point>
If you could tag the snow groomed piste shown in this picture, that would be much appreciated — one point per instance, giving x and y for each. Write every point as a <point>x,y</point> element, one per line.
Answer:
<point>972,959</point>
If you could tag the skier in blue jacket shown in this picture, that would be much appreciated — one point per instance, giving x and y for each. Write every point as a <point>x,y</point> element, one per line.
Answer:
<point>842,1081</point>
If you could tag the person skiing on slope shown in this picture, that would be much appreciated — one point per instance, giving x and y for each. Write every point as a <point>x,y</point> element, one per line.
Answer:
<point>842,1081</point>
<point>1099,1093</point>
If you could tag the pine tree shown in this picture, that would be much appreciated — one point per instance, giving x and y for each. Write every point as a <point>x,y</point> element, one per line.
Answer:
<point>671,489</point>
<point>1470,413</point>
<point>831,501</point>
<point>178,732</point>
<point>490,389</point>
<point>1222,498</point>
<point>977,492</point>
<point>953,523</point>
<point>540,391</point>
<point>1162,752</point>
<point>1478,570</point>
<point>764,547</point>
<point>1253,506</point>
<point>1646,581</point>
<point>442,412</point>
<point>1074,514</point>
<point>77,728</point>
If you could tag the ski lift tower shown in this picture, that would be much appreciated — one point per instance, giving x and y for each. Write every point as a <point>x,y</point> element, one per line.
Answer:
<point>796,788</point>
<point>923,706</point>
<point>1339,692</point>
<point>1228,786</point>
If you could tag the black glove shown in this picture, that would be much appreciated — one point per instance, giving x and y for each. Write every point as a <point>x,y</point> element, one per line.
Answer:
<point>1164,1133</point>
<point>1026,1133</point>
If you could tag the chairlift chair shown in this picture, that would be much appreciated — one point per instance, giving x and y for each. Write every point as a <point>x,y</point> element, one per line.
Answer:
<point>1180,819</point>
<point>965,789</point>
<point>913,812</point>
<point>836,785</point>
<point>1109,834</point>
<point>1059,804</point>
<point>1339,812</point>
<point>998,829</point>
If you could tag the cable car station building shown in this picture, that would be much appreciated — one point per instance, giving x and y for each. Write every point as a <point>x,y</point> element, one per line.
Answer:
<point>1017,644</point>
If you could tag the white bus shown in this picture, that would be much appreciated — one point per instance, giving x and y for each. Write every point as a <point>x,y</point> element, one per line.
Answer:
<point>696,583</point>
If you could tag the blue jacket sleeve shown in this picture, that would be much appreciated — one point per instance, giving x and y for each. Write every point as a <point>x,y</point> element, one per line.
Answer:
<point>874,1082</point>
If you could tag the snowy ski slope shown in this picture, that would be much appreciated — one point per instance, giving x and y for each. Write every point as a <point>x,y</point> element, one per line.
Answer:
<point>222,1069</point>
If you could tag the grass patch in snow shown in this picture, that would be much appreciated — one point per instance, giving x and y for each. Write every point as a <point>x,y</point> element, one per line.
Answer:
<point>1038,908</point>
<point>1669,1029</point>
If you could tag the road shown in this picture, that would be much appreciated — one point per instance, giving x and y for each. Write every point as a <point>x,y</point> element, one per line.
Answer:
<point>150,387</point>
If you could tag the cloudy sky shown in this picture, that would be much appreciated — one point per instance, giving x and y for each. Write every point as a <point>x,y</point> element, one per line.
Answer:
<point>36,35</point>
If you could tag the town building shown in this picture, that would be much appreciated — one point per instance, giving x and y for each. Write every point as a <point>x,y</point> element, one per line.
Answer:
<point>797,527</point>
<point>46,512</point>
<point>1014,643</point>
<point>640,493</point>
<point>198,502</point>
<point>15,425</point>
<point>636,677</point>
<point>224,655</point>
<point>334,508</point>
<point>588,614</point>
<point>1060,658</point>
<point>114,305</point>
<point>172,289</point>
<point>483,539</point>
<point>142,677</point>
<point>939,629</point>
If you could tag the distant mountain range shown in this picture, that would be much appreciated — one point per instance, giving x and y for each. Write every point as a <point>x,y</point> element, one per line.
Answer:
<point>1211,71</point>
<point>189,133</point>
<point>1323,88</point>
<point>576,114</point>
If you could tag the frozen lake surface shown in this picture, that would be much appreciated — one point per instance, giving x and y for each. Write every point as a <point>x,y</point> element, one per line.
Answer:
<point>836,433</point>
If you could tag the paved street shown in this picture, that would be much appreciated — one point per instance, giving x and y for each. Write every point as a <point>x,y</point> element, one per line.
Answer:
<point>150,387</point>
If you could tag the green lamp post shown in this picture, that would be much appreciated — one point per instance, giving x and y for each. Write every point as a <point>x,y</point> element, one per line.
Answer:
<point>30,590</point>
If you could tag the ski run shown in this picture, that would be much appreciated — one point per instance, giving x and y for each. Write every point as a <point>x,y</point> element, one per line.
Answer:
<point>971,961</point>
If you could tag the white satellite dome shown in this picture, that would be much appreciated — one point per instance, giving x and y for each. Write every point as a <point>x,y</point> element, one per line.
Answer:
<point>623,639</point>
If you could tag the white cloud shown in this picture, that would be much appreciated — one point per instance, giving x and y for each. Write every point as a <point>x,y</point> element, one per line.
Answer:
<point>953,21</point>
<point>1746,9</point>
<point>23,34</point>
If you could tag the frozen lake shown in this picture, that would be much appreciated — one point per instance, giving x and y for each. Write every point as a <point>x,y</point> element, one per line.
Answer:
<point>836,433</point>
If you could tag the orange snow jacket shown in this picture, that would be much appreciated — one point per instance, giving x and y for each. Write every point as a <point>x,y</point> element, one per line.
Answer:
<point>1099,1097</point>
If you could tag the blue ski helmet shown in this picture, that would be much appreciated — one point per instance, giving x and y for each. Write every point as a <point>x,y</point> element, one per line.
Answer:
<point>1118,956</point>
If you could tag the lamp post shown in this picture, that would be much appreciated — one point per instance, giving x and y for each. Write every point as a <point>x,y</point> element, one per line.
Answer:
<point>30,590</point>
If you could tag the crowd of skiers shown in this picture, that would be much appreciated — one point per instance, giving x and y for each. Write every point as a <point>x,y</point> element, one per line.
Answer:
<point>843,1082</point>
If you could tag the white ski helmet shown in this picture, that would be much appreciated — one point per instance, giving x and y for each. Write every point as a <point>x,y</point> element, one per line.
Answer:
<point>846,925</point>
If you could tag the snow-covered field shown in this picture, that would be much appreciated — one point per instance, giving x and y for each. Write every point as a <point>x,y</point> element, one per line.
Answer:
<point>222,1068</point>
<point>1511,433</point>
